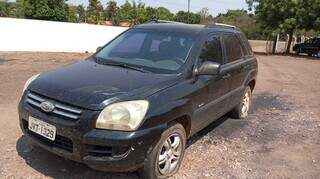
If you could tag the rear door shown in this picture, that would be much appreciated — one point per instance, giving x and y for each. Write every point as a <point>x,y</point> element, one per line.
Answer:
<point>235,67</point>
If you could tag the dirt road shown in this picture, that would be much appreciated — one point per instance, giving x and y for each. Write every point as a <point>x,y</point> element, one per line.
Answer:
<point>281,138</point>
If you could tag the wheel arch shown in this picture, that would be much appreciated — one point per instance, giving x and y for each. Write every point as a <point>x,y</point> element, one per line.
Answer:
<point>185,121</point>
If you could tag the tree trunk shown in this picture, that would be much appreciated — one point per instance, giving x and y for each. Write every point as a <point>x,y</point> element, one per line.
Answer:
<point>275,41</point>
<point>289,41</point>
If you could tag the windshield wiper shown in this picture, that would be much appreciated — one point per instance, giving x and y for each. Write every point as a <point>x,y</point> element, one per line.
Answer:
<point>123,65</point>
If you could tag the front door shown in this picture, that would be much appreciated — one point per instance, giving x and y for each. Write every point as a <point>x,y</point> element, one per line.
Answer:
<point>213,103</point>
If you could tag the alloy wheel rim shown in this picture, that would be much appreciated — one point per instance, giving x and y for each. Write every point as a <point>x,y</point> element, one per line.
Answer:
<point>170,154</point>
<point>245,104</point>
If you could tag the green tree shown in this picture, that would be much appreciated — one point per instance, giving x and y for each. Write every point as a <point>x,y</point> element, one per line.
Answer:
<point>111,10</point>
<point>152,13</point>
<point>11,9</point>
<point>246,22</point>
<point>81,13</point>
<point>309,15</point>
<point>205,15</point>
<point>73,15</point>
<point>124,11</point>
<point>46,10</point>
<point>287,16</point>
<point>94,12</point>
<point>138,13</point>
<point>190,18</point>
<point>164,14</point>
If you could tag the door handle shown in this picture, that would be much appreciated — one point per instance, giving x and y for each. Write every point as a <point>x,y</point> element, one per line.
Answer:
<point>226,76</point>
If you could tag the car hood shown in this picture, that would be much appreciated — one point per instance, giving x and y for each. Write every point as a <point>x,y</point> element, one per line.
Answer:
<point>90,85</point>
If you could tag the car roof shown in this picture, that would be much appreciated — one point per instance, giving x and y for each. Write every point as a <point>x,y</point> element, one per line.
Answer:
<point>191,29</point>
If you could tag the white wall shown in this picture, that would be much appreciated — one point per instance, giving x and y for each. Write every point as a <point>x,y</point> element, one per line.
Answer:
<point>48,36</point>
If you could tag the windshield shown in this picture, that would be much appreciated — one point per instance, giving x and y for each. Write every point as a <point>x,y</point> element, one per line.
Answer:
<point>158,52</point>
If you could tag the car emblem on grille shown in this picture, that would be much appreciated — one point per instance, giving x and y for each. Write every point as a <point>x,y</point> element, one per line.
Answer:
<point>46,106</point>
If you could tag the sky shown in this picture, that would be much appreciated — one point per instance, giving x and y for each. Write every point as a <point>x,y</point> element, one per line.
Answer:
<point>215,6</point>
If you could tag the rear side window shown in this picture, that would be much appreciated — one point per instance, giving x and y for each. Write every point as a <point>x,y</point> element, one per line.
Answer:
<point>211,50</point>
<point>246,43</point>
<point>233,47</point>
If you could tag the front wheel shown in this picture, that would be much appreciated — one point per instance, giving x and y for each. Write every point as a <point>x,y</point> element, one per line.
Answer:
<point>241,111</point>
<point>165,158</point>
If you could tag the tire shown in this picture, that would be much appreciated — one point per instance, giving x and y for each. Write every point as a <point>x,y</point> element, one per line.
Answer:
<point>152,169</point>
<point>318,54</point>
<point>239,112</point>
<point>298,51</point>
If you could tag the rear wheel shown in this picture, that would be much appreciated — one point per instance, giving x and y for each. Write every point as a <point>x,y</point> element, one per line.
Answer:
<point>241,111</point>
<point>165,158</point>
<point>298,51</point>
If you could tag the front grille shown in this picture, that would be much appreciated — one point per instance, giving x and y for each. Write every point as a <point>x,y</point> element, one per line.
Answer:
<point>61,142</point>
<point>60,109</point>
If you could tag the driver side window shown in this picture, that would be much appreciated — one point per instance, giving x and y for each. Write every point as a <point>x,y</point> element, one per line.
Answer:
<point>211,50</point>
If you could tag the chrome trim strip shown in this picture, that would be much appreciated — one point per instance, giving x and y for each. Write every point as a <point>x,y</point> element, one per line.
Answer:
<point>65,114</point>
<point>61,109</point>
<point>35,97</point>
<point>33,102</point>
<point>68,109</point>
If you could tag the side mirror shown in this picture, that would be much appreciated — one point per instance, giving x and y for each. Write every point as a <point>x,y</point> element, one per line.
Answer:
<point>208,68</point>
<point>99,48</point>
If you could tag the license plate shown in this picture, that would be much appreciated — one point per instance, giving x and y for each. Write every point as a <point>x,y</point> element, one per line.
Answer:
<point>42,128</point>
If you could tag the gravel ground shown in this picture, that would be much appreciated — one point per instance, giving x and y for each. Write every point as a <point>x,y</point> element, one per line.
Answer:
<point>280,138</point>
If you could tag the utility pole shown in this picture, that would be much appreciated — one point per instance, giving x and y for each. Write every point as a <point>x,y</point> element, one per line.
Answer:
<point>188,11</point>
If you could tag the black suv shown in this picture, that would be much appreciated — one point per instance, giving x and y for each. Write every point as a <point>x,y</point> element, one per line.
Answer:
<point>134,103</point>
<point>310,47</point>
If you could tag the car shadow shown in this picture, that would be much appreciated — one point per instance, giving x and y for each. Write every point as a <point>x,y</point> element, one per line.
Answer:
<point>57,167</point>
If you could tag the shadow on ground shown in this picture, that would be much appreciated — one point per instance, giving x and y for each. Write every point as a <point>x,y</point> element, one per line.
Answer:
<point>54,166</point>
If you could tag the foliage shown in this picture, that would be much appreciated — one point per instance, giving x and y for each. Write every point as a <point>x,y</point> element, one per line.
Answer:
<point>11,9</point>
<point>81,13</point>
<point>246,22</point>
<point>111,10</point>
<point>188,17</point>
<point>205,16</point>
<point>73,14</point>
<point>165,14</point>
<point>46,10</point>
<point>269,17</point>
<point>287,16</point>
<point>94,12</point>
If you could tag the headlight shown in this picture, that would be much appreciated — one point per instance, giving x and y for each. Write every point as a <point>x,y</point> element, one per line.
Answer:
<point>125,116</point>
<point>29,81</point>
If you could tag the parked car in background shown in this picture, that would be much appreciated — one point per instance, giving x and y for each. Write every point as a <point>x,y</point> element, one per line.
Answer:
<point>135,102</point>
<point>310,47</point>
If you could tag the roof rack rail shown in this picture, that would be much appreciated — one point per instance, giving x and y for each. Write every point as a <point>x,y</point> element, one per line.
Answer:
<point>222,25</point>
<point>156,21</point>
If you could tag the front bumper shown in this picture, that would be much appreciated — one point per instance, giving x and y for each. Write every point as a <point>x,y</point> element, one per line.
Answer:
<point>99,149</point>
